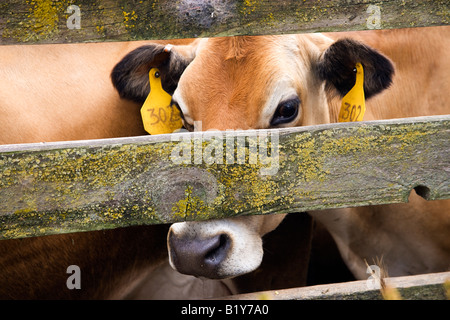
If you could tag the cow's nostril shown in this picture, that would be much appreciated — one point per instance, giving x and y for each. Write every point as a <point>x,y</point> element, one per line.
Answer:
<point>218,253</point>
<point>199,257</point>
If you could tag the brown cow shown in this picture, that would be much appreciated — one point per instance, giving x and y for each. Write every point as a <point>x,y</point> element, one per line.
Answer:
<point>63,92</point>
<point>297,80</point>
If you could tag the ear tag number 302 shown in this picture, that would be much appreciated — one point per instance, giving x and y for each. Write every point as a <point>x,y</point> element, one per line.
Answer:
<point>353,104</point>
<point>158,115</point>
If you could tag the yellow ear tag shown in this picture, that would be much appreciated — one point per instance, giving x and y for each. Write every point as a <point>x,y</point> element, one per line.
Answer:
<point>353,103</point>
<point>158,115</point>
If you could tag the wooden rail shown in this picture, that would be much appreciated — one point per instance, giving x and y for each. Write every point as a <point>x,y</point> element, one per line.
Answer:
<point>434,286</point>
<point>76,186</point>
<point>47,21</point>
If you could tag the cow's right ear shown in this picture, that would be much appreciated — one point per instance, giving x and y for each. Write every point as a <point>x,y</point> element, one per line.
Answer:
<point>337,67</point>
<point>130,75</point>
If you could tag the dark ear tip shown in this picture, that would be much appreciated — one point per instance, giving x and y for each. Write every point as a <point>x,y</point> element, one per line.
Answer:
<point>130,75</point>
<point>379,76</point>
<point>338,61</point>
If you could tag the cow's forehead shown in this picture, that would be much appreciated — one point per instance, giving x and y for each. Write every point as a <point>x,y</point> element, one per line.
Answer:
<point>240,76</point>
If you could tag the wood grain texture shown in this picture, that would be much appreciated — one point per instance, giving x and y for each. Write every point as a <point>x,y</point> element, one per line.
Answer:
<point>418,287</point>
<point>45,21</point>
<point>76,186</point>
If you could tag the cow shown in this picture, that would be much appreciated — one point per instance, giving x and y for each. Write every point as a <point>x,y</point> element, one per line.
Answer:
<point>64,92</point>
<point>258,82</point>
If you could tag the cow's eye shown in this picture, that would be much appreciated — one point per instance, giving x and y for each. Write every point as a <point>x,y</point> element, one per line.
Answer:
<point>286,112</point>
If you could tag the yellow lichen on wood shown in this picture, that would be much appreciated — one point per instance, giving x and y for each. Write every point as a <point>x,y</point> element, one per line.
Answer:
<point>447,288</point>
<point>249,6</point>
<point>128,183</point>
<point>246,188</point>
<point>45,16</point>
<point>189,207</point>
<point>40,21</point>
<point>129,18</point>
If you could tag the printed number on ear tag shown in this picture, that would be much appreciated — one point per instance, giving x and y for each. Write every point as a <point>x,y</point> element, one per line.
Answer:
<point>353,103</point>
<point>158,115</point>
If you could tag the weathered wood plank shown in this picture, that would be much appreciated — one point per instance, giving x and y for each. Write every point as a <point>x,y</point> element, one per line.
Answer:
<point>418,287</point>
<point>47,21</point>
<point>53,188</point>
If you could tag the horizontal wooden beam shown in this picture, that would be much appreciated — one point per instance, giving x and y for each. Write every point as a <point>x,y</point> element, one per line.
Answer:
<point>56,21</point>
<point>434,286</point>
<point>51,188</point>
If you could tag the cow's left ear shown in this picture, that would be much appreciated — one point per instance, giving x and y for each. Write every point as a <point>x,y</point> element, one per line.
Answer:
<point>337,64</point>
<point>130,75</point>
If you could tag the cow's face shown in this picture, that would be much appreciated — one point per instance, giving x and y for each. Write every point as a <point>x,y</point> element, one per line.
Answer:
<point>246,83</point>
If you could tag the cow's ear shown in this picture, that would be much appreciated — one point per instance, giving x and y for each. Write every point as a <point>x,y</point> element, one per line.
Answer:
<point>130,75</point>
<point>337,64</point>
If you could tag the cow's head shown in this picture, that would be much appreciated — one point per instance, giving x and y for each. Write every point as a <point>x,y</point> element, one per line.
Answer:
<point>247,83</point>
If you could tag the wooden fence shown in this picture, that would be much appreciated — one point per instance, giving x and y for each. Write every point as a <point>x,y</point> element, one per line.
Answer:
<point>52,188</point>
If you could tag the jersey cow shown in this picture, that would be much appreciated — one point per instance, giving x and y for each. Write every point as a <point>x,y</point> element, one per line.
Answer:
<point>63,92</point>
<point>297,80</point>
